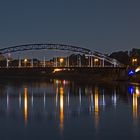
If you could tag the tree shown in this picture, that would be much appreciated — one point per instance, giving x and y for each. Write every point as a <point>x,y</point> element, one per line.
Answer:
<point>121,56</point>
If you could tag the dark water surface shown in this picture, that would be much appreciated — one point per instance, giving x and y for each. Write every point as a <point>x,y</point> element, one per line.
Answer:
<point>61,109</point>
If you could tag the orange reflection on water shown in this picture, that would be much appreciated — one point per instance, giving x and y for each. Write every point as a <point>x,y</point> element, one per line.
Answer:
<point>61,108</point>
<point>25,105</point>
<point>96,98</point>
<point>135,106</point>
<point>96,104</point>
<point>137,90</point>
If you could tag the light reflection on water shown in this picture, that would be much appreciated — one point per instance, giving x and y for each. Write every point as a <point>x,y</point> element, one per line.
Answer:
<point>61,108</point>
<point>62,101</point>
<point>96,101</point>
<point>25,105</point>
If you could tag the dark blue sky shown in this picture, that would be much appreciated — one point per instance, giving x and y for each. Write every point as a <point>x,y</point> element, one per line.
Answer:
<point>102,25</point>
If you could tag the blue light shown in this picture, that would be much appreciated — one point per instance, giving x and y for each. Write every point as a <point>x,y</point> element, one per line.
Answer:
<point>131,72</point>
<point>131,89</point>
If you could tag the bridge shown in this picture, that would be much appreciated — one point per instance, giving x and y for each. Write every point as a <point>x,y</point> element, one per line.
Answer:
<point>95,59</point>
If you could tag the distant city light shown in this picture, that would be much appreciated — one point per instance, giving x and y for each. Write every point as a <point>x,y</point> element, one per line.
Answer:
<point>134,61</point>
<point>138,69</point>
<point>57,70</point>
<point>131,72</point>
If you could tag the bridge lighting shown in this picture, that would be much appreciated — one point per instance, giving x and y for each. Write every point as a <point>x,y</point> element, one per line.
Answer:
<point>25,61</point>
<point>61,60</point>
<point>96,60</point>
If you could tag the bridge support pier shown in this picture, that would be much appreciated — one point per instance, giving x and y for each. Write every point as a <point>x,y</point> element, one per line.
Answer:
<point>32,63</point>
<point>79,64</point>
<point>103,62</point>
<point>7,65</point>
<point>19,63</point>
<point>55,63</point>
<point>114,63</point>
<point>91,62</point>
<point>44,63</point>
<point>67,62</point>
<point>79,58</point>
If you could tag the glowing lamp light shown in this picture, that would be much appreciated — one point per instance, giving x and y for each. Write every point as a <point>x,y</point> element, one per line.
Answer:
<point>134,60</point>
<point>25,60</point>
<point>61,60</point>
<point>96,60</point>
<point>57,70</point>
<point>138,69</point>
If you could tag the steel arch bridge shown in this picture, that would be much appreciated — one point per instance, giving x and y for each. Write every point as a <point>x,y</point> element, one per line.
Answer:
<point>45,46</point>
<point>71,48</point>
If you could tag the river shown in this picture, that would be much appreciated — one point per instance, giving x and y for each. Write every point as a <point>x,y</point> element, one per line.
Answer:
<point>62,109</point>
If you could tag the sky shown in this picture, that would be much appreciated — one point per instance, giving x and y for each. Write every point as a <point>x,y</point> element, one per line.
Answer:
<point>102,25</point>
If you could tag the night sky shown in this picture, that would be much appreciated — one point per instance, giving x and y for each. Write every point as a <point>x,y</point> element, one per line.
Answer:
<point>101,25</point>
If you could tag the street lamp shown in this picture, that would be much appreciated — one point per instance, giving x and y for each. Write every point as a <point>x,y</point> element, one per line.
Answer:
<point>96,60</point>
<point>61,61</point>
<point>25,61</point>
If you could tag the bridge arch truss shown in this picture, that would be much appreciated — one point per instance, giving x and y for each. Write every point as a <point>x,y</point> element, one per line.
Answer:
<point>45,46</point>
<point>63,47</point>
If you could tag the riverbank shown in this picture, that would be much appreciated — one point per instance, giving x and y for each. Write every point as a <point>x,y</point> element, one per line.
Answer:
<point>98,74</point>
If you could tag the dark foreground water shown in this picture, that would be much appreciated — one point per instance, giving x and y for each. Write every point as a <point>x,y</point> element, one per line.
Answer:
<point>61,109</point>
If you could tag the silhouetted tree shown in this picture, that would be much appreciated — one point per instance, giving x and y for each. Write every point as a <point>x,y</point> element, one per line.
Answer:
<point>121,56</point>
